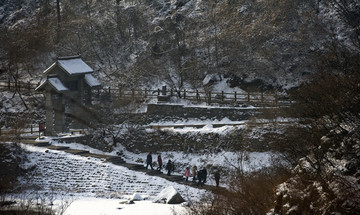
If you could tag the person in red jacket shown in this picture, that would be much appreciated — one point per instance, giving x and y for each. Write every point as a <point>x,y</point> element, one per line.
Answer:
<point>187,173</point>
<point>159,159</point>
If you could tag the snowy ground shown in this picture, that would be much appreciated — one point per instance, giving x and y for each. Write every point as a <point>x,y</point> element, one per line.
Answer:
<point>251,160</point>
<point>96,206</point>
<point>94,186</point>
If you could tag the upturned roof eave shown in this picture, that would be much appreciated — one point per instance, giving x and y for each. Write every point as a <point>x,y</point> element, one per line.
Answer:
<point>47,82</point>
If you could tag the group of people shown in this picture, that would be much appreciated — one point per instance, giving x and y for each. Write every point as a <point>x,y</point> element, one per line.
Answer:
<point>169,166</point>
<point>200,175</point>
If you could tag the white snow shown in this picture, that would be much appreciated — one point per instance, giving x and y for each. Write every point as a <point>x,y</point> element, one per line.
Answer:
<point>91,81</point>
<point>98,187</point>
<point>165,195</point>
<point>97,206</point>
<point>54,82</point>
<point>59,86</point>
<point>75,66</point>
<point>136,197</point>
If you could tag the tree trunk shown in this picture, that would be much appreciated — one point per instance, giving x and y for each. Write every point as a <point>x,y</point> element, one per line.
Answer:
<point>58,11</point>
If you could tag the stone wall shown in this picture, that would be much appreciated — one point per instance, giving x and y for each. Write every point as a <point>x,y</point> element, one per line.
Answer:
<point>156,112</point>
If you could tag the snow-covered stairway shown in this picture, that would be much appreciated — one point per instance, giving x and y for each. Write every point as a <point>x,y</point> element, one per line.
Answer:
<point>58,170</point>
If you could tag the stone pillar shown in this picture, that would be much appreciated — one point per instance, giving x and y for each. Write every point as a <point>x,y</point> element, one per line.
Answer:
<point>49,115</point>
<point>59,119</point>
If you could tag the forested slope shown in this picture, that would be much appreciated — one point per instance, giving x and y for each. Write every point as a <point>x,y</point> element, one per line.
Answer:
<point>262,44</point>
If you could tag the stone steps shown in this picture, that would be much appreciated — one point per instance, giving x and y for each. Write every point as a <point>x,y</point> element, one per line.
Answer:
<point>64,175</point>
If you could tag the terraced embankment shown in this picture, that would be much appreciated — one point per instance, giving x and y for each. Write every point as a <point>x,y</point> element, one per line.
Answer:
<point>78,171</point>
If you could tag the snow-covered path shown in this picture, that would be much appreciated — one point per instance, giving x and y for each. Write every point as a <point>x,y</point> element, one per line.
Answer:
<point>93,177</point>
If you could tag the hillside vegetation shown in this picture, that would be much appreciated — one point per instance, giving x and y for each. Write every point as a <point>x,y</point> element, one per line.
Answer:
<point>257,44</point>
<point>310,48</point>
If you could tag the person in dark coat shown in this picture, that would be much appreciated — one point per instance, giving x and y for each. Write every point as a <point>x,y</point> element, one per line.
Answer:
<point>204,175</point>
<point>169,167</point>
<point>149,161</point>
<point>200,177</point>
<point>159,159</point>
<point>217,178</point>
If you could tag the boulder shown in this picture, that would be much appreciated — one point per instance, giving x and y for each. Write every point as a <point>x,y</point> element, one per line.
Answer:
<point>169,196</point>
<point>136,197</point>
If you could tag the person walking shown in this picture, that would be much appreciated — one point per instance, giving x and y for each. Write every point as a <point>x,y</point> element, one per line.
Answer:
<point>200,177</point>
<point>187,173</point>
<point>159,159</point>
<point>194,172</point>
<point>204,176</point>
<point>149,161</point>
<point>217,178</point>
<point>169,167</point>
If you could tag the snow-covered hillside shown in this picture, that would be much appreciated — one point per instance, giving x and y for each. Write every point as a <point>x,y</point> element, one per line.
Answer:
<point>256,44</point>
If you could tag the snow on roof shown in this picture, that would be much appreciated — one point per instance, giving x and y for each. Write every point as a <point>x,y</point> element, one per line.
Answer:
<point>91,81</point>
<point>50,67</point>
<point>74,66</point>
<point>55,83</point>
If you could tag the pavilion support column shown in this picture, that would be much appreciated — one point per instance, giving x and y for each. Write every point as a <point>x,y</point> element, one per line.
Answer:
<point>59,118</point>
<point>49,115</point>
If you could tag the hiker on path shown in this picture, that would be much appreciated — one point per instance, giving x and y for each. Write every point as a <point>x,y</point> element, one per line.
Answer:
<point>159,159</point>
<point>217,177</point>
<point>187,173</point>
<point>194,172</point>
<point>169,167</point>
<point>204,175</point>
<point>200,177</point>
<point>149,161</point>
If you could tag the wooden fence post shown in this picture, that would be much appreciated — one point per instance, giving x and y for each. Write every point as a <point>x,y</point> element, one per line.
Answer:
<point>197,95</point>
<point>209,98</point>
<point>109,91</point>
<point>184,94</point>
<point>235,96</point>
<point>163,90</point>
<point>9,84</point>
<point>31,129</point>
<point>158,92</point>
<point>171,92</point>
<point>248,97</point>
<point>222,95</point>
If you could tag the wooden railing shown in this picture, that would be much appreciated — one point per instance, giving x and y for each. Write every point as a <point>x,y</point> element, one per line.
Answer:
<point>18,85</point>
<point>259,98</point>
<point>251,98</point>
